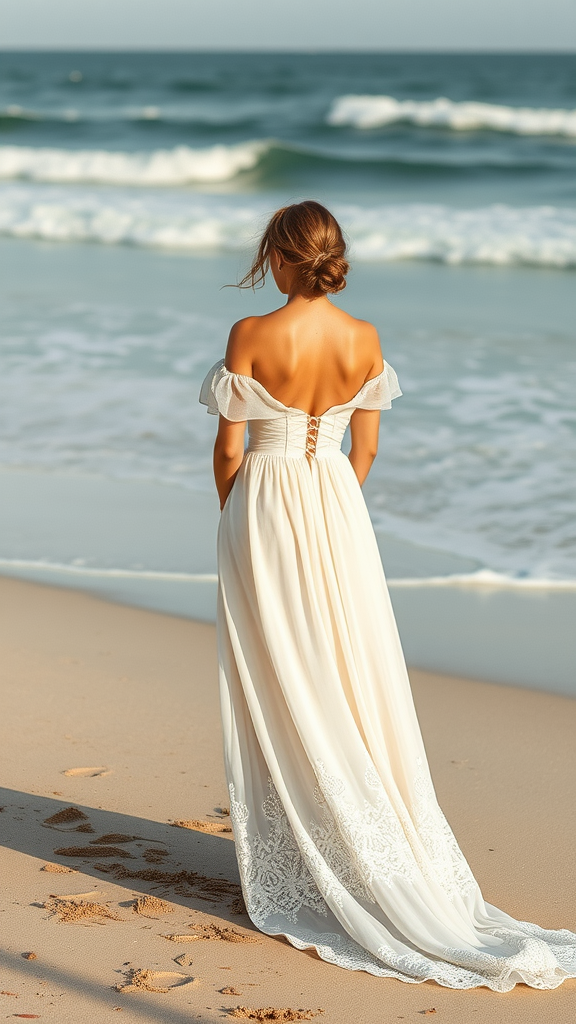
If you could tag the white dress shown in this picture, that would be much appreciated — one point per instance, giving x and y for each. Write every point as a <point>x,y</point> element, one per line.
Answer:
<point>340,840</point>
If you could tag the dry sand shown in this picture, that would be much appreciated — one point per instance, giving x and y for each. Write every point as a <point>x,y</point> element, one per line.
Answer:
<point>110,732</point>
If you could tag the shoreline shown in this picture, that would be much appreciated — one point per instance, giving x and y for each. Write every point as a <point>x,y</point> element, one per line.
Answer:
<point>151,545</point>
<point>130,696</point>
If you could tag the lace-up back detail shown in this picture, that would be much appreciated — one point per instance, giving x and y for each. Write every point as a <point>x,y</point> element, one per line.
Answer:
<point>312,428</point>
<point>278,429</point>
<point>282,430</point>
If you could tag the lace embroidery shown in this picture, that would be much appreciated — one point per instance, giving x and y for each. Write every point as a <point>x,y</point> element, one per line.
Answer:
<point>279,875</point>
<point>329,842</point>
<point>376,844</point>
<point>275,878</point>
<point>450,868</point>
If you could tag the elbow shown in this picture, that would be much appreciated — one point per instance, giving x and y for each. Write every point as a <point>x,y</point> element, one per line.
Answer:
<point>367,452</point>
<point>227,453</point>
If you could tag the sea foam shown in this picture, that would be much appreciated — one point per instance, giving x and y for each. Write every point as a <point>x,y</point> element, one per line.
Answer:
<point>179,166</point>
<point>499,235</point>
<point>377,111</point>
<point>482,579</point>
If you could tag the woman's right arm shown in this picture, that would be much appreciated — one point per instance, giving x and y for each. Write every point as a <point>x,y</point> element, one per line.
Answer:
<point>229,445</point>
<point>228,455</point>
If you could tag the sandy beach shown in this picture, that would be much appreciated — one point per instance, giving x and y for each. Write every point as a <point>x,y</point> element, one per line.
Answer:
<point>110,735</point>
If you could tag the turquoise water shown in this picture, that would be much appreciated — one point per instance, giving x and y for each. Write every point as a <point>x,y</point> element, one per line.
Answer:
<point>131,189</point>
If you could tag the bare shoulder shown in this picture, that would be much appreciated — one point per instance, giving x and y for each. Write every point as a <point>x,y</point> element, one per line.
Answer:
<point>239,350</point>
<point>245,340</point>
<point>367,346</point>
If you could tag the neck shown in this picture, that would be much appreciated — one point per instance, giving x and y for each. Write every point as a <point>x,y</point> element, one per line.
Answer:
<point>298,298</point>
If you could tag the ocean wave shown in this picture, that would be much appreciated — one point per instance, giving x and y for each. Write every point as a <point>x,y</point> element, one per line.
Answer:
<point>359,111</point>
<point>378,111</point>
<point>498,235</point>
<point>184,165</point>
<point>484,579</point>
<point>168,114</point>
<point>164,167</point>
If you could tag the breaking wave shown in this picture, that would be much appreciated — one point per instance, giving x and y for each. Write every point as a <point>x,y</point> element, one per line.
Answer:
<point>499,235</point>
<point>179,166</point>
<point>377,111</point>
<point>184,165</point>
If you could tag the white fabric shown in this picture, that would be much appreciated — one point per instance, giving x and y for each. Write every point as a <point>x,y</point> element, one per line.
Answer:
<point>340,840</point>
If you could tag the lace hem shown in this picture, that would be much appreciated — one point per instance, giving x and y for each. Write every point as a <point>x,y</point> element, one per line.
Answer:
<point>350,850</point>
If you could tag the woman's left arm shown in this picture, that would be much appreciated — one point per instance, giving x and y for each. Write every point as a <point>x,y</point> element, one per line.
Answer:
<point>228,455</point>
<point>364,427</point>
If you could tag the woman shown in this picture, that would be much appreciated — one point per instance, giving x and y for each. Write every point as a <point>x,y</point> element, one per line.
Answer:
<point>340,840</point>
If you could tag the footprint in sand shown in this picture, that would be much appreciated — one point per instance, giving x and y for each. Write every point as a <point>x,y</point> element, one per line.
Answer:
<point>213,932</point>
<point>87,773</point>
<point>59,869</point>
<point>275,1013</point>
<point>76,908</point>
<point>113,837</point>
<point>151,906</point>
<point>69,819</point>
<point>154,856</point>
<point>210,827</point>
<point>92,852</point>
<point>143,980</point>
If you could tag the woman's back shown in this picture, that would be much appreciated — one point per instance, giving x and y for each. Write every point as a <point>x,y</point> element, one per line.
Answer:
<point>309,356</point>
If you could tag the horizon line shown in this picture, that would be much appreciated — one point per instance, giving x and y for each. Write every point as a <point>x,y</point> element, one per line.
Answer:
<point>292,51</point>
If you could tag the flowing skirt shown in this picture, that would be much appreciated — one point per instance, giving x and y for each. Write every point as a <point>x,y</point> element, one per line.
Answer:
<point>340,841</point>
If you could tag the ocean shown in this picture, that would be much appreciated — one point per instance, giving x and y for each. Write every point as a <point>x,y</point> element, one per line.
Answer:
<point>133,188</point>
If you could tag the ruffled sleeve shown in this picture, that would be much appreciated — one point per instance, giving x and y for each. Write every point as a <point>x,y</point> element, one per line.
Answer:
<point>237,397</point>
<point>209,384</point>
<point>379,392</point>
<point>219,393</point>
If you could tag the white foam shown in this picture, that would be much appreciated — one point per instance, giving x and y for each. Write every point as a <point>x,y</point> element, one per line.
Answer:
<point>161,220</point>
<point>500,235</point>
<point>484,579</point>
<point>179,166</point>
<point>377,111</point>
<point>71,569</point>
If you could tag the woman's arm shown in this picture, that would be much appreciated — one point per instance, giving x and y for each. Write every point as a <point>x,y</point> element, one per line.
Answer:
<point>364,427</point>
<point>229,445</point>
<point>228,455</point>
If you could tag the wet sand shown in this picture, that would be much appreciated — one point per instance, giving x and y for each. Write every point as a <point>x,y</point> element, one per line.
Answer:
<point>121,897</point>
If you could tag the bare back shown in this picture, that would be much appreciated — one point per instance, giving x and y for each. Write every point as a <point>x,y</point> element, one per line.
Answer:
<point>309,355</point>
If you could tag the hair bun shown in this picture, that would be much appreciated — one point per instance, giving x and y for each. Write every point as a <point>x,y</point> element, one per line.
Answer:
<point>320,258</point>
<point>310,238</point>
<point>325,273</point>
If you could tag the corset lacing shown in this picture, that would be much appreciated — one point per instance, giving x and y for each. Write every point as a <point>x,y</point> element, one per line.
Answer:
<point>312,427</point>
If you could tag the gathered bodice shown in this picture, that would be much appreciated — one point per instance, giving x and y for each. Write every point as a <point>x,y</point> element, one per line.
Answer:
<point>278,429</point>
<point>298,434</point>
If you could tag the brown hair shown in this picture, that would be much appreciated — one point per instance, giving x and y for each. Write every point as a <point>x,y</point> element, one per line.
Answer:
<point>308,236</point>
